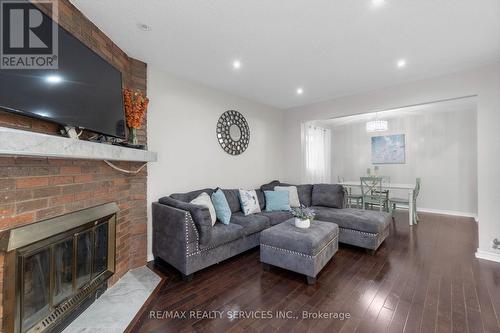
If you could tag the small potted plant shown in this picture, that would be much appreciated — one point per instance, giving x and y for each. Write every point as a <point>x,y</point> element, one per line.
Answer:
<point>303,216</point>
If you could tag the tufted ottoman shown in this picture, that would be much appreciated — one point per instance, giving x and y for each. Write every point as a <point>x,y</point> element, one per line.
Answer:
<point>304,251</point>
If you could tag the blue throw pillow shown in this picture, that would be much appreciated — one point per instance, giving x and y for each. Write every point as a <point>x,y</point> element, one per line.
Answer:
<point>222,210</point>
<point>277,200</point>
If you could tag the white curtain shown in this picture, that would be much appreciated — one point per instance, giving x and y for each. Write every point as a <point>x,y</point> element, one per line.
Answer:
<point>316,152</point>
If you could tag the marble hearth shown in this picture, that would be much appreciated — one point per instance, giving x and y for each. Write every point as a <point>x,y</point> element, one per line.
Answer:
<point>115,309</point>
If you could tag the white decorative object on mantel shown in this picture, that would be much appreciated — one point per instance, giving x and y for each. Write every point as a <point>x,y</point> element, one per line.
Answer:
<point>16,142</point>
<point>303,224</point>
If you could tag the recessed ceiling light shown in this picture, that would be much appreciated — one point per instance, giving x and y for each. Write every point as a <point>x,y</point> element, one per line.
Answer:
<point>236,64</point>
<point>300,91</point>
<point>401,63</point>
<point>143,27</point>
<point>378,3</point>
<point>53,79</point>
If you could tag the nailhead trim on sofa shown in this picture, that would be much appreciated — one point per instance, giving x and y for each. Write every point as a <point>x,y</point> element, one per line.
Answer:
<point>380,237</point>
<point>360,232</point>
<point>299,253</point>
<point>188,220</point>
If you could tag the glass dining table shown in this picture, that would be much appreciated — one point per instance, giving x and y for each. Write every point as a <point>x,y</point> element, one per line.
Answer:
<point>410,188</point>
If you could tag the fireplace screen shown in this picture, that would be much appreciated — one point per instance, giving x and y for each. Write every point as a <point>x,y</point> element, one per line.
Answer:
<point>57,274</point>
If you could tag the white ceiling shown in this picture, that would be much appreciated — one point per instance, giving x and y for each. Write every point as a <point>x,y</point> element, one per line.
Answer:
<point>330,48</point>
<point>467,104</point>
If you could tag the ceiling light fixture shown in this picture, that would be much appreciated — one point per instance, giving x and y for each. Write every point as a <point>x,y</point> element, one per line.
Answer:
<point>236,64</point>
<point>300,91</point>
<point>378,3</point>
<point>377,125</point>
<point>143,27</point>
<point>401,63</point>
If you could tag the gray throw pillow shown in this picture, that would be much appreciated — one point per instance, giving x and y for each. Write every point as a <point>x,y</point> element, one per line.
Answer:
<point>328,195</point>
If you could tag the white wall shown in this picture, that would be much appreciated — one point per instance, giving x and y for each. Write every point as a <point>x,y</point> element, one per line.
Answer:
<point>482,81</point>
<point>182,118</point>
<point>441,149</point>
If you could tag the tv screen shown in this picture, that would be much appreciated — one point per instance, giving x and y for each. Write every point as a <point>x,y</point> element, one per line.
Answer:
<point>85,91</point>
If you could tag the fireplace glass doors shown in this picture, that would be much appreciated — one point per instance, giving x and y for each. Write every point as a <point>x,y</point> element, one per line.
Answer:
<point>61,272</point>
<point>36,285</point>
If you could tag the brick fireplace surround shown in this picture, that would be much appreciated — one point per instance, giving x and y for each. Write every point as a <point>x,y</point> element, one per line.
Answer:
<point>34,189</point>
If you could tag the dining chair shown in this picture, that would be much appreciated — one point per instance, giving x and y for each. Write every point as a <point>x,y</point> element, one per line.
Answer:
<point>385,180</point>
<point>394,202</point>
<point>371,189</point>
<point>350,197</point>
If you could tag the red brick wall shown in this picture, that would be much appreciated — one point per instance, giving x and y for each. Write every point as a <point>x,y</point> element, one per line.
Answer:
<point>34,189</point>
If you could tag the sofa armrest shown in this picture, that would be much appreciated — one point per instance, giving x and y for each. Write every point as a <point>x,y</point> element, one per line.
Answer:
<point>175,236</point>
<point>200,215</point>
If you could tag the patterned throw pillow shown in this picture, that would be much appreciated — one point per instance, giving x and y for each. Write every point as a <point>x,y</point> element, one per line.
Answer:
<point>204,200</point>
<point>293,194</point>
<point>249,202</point>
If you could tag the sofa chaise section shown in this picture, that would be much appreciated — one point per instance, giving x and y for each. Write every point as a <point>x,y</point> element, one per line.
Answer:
<point>363,228</point>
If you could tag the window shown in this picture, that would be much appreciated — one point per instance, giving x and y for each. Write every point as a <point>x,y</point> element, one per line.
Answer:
<point>316,142</point>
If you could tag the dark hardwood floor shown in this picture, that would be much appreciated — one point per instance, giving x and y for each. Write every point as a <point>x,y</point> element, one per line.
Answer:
<point>422,279</point>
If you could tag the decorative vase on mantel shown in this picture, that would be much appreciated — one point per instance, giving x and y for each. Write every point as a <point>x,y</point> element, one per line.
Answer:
<point>136,104</point>
<point>302,223</point>
<point>133,136</point>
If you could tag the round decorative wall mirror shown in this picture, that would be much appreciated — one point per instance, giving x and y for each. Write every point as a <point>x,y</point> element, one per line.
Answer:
<point>233,132</point>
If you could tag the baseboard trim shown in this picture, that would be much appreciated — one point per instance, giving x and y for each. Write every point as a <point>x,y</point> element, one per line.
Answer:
<point>487,255</point>
<point>448,212</point>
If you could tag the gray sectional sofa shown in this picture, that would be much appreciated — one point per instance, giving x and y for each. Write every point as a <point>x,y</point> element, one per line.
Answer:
<point>184,237</point>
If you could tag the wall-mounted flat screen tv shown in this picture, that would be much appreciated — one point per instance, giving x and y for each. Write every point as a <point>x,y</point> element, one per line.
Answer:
<point>85,91</point>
